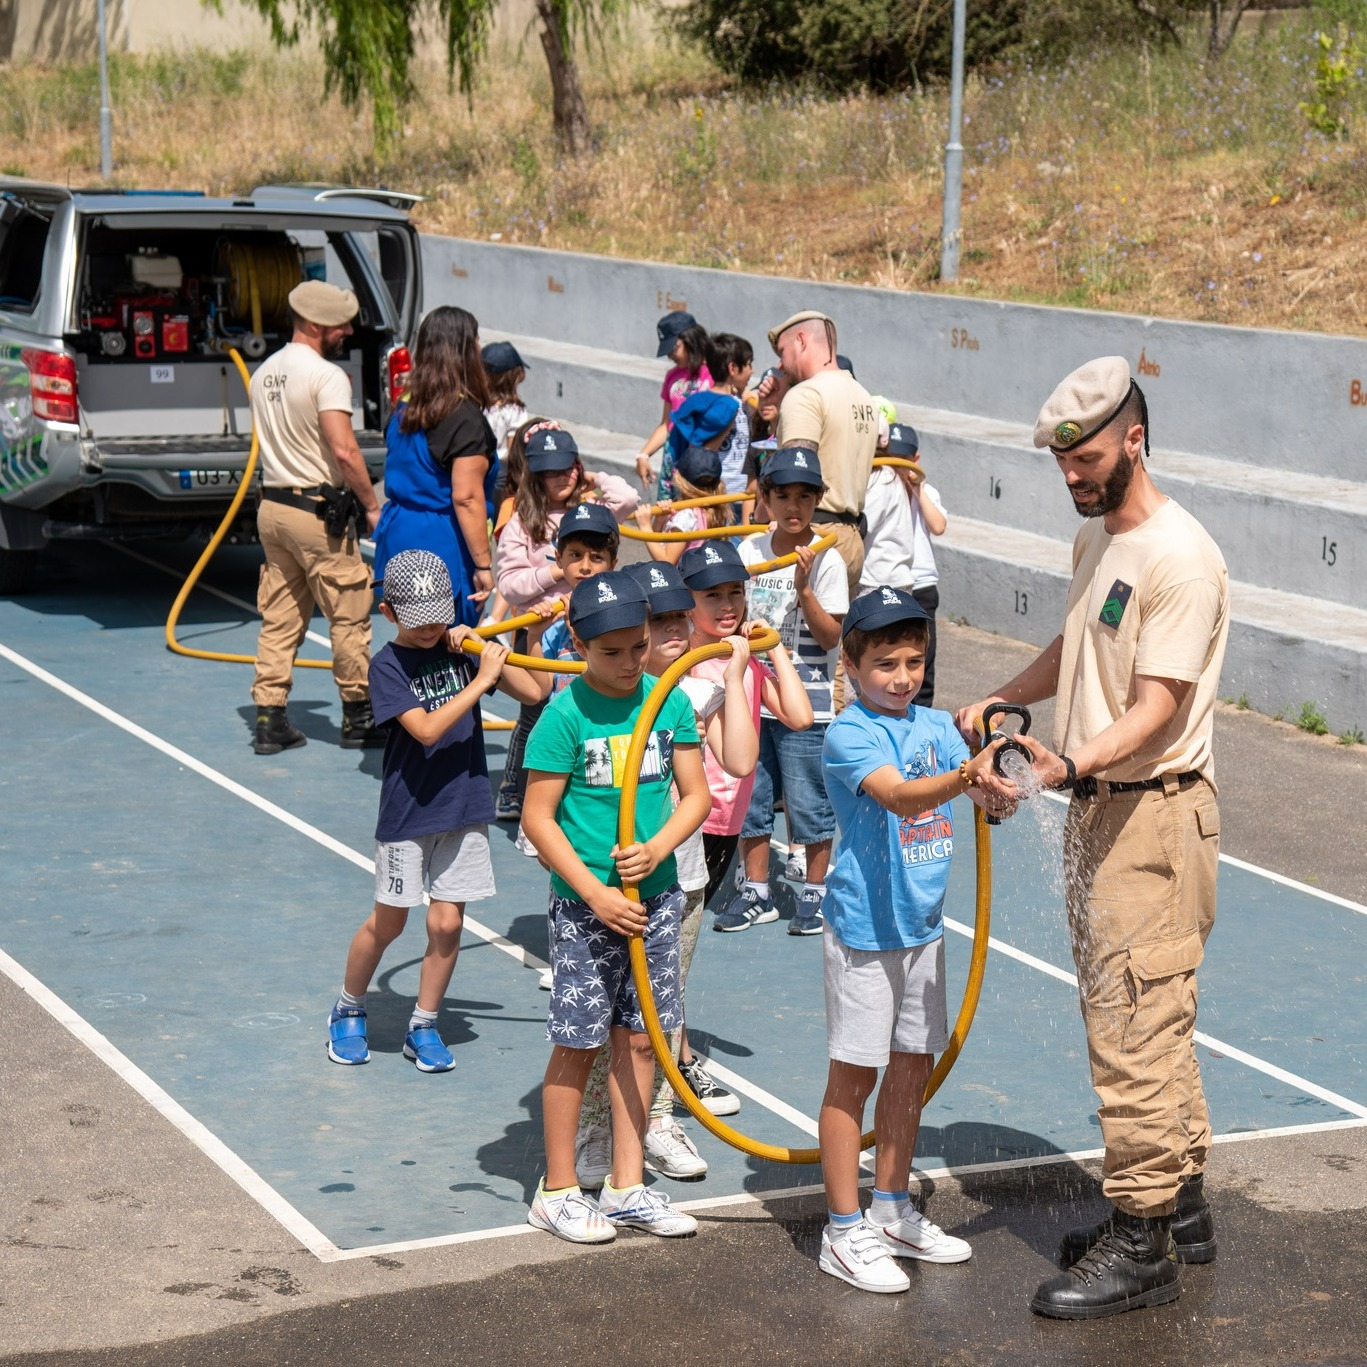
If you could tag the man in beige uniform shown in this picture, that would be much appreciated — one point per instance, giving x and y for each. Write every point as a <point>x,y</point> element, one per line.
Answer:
<point>301,409</point>
<point>1136,672</point>
<point>826,410</point>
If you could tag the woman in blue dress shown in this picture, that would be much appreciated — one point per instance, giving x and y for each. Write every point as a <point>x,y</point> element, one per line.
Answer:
<point>442,461</point>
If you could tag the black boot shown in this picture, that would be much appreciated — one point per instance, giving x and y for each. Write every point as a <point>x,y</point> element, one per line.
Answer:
<point>274,732</point>
<point>359,731</point>
<point>1193,1228</point>
<point>1132,1264</point>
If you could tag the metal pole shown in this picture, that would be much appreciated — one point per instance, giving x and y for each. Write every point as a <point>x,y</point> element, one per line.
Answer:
<point>106,118</point>
<point>954,152</point>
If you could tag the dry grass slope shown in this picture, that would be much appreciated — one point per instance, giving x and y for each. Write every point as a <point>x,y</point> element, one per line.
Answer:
<point>1130,181</point>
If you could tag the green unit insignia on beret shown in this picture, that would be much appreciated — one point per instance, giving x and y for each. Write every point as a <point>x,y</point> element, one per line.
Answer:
<point>1066,433</point>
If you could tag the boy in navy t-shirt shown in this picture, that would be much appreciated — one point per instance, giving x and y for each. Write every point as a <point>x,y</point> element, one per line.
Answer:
<point>891,770</point>
<point>435,800</point>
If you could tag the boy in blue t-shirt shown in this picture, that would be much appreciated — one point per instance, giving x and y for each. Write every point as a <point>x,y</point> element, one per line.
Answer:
<point>435,800</point>
<point>575,758</point>
<point>891,770</point>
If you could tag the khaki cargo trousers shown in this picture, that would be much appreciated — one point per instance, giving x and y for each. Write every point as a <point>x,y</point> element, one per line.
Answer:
<point>1140,873</point>
<point>304,566</point>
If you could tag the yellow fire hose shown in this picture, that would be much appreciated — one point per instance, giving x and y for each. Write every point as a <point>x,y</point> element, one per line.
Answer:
<point>626,835</point>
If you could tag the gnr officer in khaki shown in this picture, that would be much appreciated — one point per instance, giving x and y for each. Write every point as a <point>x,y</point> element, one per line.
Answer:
<point>1135,671</point>
<point>301,406</point>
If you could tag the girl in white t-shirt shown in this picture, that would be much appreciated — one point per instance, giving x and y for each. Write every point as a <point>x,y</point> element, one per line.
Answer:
<point>904,512</point>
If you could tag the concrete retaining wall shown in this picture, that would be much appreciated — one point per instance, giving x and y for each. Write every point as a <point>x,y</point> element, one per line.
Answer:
<point>1281,399</point>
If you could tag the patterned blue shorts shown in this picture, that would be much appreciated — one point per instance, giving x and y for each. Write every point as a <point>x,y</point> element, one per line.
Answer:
<point>592,984</point>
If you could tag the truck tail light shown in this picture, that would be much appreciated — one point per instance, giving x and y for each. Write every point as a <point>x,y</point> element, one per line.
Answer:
<point>398,366</point>
<point>52,380</point>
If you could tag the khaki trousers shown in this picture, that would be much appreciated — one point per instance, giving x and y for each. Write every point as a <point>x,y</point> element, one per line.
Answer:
<point>1140,870</point>
<point>849,545</point>
<point>304,566</point>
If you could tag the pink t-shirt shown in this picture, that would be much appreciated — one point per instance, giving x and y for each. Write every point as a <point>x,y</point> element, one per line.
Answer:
<point>730,796</point>
<point>679,384</point>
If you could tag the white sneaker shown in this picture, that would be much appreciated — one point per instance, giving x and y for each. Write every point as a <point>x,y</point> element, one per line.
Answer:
<point>913,1236</point>
<point>645,1208</point>
<point>571,1216</point>
<point>546,981</point>
<point>670,1152</point>
<point>592,1155</point>
<point>857,1256</point>
<point>796,867</point>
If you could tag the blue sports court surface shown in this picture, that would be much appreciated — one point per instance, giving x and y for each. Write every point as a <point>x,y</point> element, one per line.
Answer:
<point>185,907</point>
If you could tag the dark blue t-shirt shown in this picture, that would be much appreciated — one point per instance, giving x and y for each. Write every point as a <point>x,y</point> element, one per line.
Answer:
<point>428,789</point>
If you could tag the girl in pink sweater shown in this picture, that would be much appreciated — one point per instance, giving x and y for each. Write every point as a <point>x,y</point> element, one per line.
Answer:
<point>554,479</point>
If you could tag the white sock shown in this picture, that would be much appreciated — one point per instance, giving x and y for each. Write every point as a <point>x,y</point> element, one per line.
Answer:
<point>349,1003</point>
<point>421,1019</point>
<point>818,888</point>
<point>761,889</point>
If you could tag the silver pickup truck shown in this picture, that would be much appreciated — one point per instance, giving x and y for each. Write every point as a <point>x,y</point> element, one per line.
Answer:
<point>121,414</point>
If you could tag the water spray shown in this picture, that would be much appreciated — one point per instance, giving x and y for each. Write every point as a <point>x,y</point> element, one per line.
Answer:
<point>1012,761</point>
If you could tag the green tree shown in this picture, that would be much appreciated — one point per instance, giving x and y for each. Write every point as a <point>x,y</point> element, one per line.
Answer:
<point>368,48</point>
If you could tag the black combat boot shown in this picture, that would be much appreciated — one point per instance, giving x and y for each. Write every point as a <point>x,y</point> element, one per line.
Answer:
<point>1132,1264</point>
<point>1193,1228</point>
<point>274,732</point>
<point>359,731</point>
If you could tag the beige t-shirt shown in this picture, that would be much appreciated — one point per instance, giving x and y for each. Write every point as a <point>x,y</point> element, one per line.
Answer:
<point>288,392</point>
<point>836,412</point>
<point>1152,601</point>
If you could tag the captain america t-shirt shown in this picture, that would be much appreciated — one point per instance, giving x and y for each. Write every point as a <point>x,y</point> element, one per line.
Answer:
<point>428,789</point>
<point>886,887</point>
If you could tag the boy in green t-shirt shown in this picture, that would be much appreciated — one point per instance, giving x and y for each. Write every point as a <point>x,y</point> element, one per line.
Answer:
<point>574,761</point>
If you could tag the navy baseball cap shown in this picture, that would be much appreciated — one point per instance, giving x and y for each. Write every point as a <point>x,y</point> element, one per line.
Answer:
<point>718,562</point>
<point>882,608</point>
<point>670,326</point>
<point>698,465</point>
<point>902,440</point>
<point>794,465</point>
<point>664,586</point>
<point>552,448</point>
<point>500,357</point>
<point>607,602</point>
<point>592,519</point>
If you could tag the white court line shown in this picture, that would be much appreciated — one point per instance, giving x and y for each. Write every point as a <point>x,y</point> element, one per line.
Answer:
<point>1279,878</point>
<point>742,1198</point>
<point>207,588</point>
<point>241,1172</point>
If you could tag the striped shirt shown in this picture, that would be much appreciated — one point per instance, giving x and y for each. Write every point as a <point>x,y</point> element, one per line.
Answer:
<point>772,599</point>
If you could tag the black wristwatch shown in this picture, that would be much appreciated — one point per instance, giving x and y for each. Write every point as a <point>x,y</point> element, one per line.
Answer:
<point>1071,780</point>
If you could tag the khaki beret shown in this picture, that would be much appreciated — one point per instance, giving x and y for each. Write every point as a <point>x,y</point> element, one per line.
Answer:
<point>1083,403</point>
<point>806,316</point>
<point>318,302</point>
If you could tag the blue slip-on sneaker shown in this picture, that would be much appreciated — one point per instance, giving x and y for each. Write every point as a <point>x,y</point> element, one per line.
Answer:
<point>425,1048</point>
<point>744,910</point>
<point>807,920</point>
<point>346,1037</point>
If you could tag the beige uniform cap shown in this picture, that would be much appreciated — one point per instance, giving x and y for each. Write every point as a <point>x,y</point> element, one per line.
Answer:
<point>1083,403</point>
<point>318,302</point>
<point>806,316</point>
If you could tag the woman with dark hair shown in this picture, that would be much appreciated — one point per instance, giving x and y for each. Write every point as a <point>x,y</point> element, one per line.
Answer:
<point>441,462</point>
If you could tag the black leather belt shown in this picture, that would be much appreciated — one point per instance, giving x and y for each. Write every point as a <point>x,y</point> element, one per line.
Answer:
<point>307,499</point>
<point>1087,787</point>
<point>856,520</point>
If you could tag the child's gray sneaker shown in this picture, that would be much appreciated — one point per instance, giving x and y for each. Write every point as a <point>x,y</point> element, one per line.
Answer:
<point>671,1153</point>
<point>592,1155</point>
